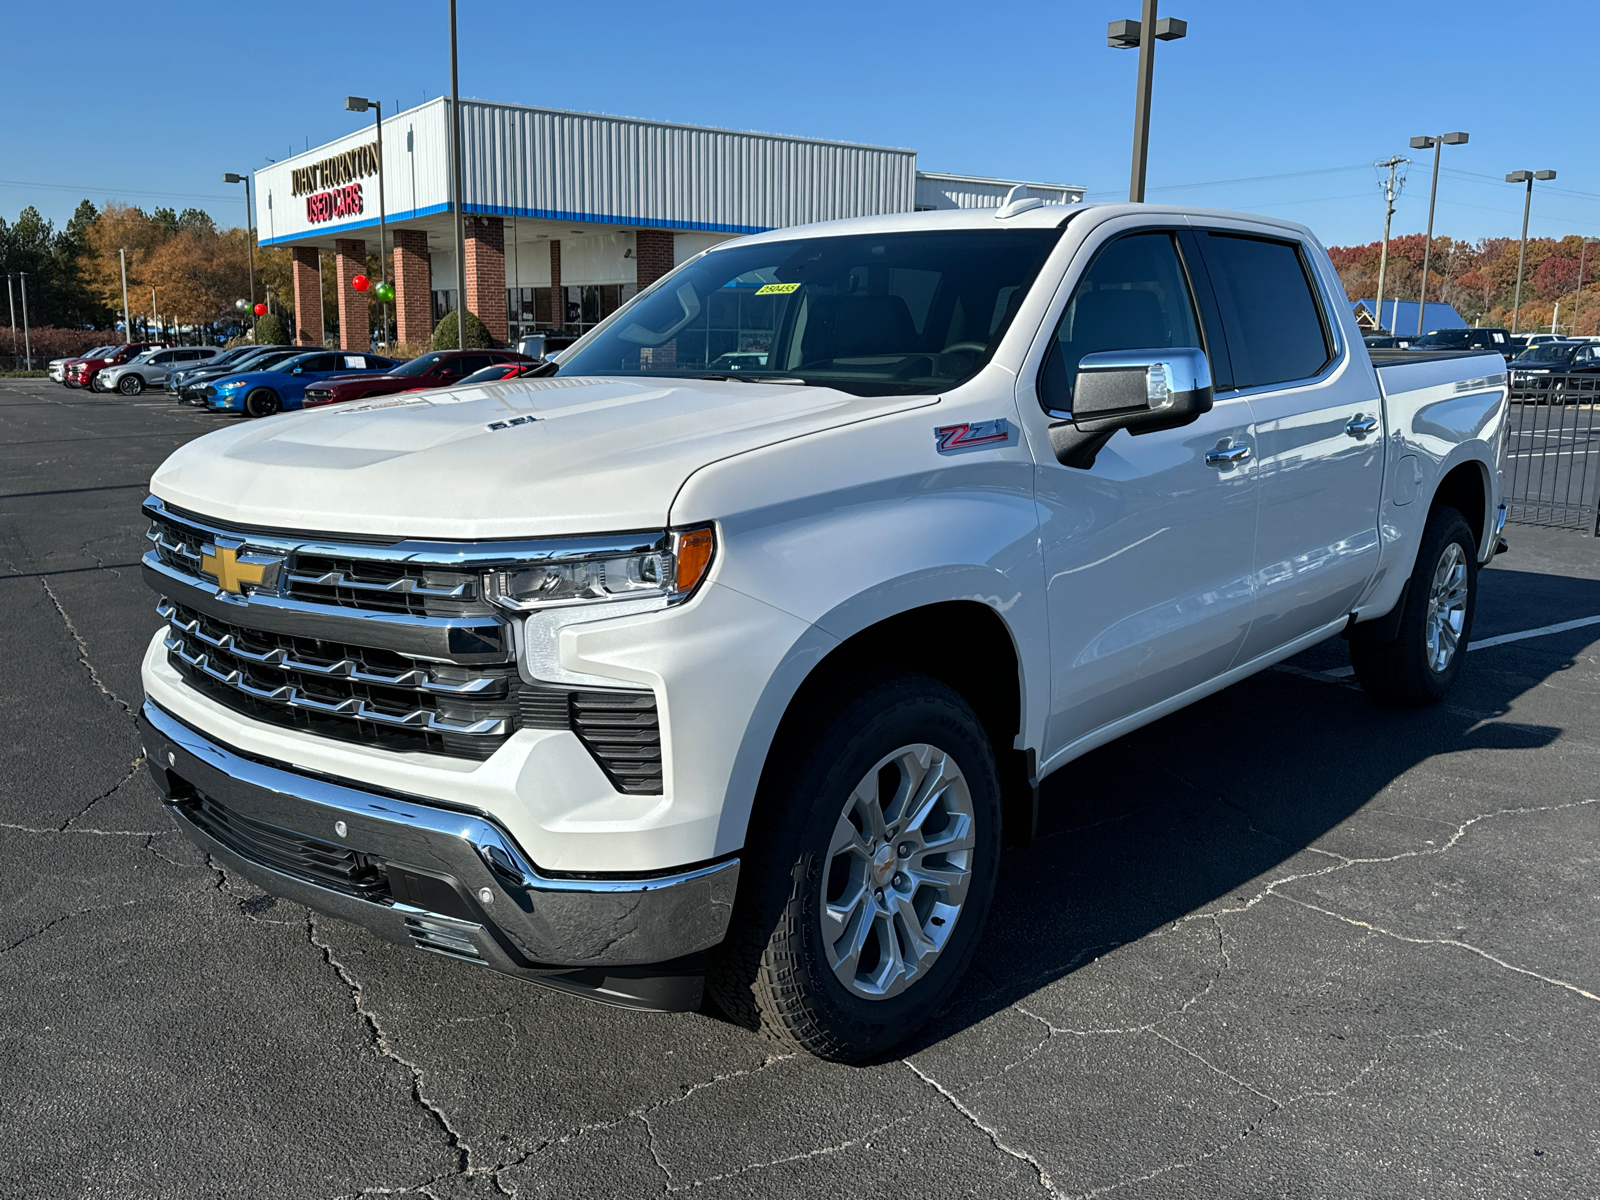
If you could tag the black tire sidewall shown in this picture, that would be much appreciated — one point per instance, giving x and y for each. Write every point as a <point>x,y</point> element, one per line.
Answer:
<point>130,385</point>
<point>263,402</point>
<point>1406,677</point>
<point>899,710</point>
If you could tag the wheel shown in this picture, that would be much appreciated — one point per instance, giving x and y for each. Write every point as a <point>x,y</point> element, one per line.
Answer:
<point>262,402</point>
<point>130,385</point>
<point>868,873</point>
<point>94,383</point>
<point>1421,664</point>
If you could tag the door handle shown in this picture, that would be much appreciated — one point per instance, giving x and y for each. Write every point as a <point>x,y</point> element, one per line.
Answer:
<point>1359,425</point>
<point>1226,454</point>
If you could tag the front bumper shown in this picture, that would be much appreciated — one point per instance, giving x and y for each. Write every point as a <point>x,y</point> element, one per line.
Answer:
<point>446,881</point>
<point>229,401</point>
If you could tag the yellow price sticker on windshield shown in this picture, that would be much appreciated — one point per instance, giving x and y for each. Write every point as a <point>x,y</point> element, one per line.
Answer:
<point>777,289</point>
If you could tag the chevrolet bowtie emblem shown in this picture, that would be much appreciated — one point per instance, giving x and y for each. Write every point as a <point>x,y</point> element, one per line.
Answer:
<point>233,570</point>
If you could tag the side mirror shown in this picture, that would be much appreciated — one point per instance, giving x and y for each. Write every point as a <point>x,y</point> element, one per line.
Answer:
<point>1137,390</point>
<point>298,371</point>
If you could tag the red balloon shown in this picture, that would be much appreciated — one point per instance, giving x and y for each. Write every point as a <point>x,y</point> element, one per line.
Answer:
<point>261,310</point>
<point>361,283</point>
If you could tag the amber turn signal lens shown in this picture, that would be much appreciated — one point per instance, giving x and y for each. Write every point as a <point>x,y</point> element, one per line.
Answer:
<point>693,553</point>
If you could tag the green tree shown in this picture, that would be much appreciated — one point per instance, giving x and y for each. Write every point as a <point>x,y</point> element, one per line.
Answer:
<point>270,331</point>
<point>478,337</point>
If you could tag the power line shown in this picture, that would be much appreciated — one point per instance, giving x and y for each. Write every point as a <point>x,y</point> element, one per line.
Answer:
<point>107,191</point>
<point>1177,187</point>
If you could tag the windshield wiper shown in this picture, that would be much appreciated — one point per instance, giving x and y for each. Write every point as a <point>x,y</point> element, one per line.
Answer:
<point>753,379</point>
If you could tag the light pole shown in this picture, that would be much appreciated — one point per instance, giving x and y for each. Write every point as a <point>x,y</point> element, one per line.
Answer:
<point>1578,296</point>
<point>455,186</point>
<point>249,233</point>
<point>1125,35</point>
<point>1389,193</point>
<point>357,104</point>
<point>27,342</point>
<point>11,303</point>
<point>1436,144</point>
<point>127,324</point>
<point>1526,177</point>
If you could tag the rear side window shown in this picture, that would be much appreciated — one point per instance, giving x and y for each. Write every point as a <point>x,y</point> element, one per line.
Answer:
<point>1133,297</point>
<point>1275,329</point>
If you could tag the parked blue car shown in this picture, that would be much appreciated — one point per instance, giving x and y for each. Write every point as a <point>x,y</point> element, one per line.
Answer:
<point>283,388</point>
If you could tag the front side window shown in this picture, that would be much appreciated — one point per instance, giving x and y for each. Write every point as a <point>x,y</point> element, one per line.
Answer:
<point>880,314</point>
<point>419,366</point>
<point>1133,297</point>
<point>1274,325</point>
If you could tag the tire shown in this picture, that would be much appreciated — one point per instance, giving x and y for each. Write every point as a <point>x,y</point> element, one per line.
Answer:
<point>1439,602</point>
<point>94,383</point>
<point>849,992</point>
<point>130,384</point>
<point>262,402</point>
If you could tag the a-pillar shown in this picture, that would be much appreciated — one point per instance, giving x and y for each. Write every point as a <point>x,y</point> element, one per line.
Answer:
<point>654,248</point>
<point>307,295</point>
<point>413,287</point>
<point>355,324</point>
<point>486,273</point>
<point>558,295</point>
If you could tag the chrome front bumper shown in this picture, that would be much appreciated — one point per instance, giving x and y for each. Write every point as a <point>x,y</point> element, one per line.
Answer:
<point>446,881</point>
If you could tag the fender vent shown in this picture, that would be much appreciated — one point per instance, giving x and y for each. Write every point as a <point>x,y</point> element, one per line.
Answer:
<point>442,939</point>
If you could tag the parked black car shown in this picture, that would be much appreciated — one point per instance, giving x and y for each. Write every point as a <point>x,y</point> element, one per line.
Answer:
<point>1556,372</point>
<point>192,388</point>
<point>1387,341</point>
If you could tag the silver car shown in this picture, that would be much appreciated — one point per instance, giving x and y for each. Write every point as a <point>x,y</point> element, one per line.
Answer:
<point>150,368</point>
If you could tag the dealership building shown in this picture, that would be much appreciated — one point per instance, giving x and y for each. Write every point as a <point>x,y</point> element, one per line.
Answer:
<point>566,214</point>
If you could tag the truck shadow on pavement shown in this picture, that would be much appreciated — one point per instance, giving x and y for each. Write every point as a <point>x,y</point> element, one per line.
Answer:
<point>1204,809</point>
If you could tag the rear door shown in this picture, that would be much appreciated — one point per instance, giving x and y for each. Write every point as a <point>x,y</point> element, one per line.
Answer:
<point>1318,434</point>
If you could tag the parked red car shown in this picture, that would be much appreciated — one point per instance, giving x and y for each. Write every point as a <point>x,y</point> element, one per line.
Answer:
<point>439,369</point>
<point>80,372</point>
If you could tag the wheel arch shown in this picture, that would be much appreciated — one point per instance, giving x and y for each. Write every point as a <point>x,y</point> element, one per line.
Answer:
<point>1465,486</point>
<point>964,643</point>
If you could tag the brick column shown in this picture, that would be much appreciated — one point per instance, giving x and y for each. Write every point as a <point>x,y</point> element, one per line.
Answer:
<point>413,286</point>
<point>558,299</point>
<point>486,273</point>
<point>654,248</point>
<point>355,324</point>
<point>307,295</point>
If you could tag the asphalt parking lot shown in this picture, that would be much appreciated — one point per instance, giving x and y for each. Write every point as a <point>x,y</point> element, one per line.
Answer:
<point>1283,943</point>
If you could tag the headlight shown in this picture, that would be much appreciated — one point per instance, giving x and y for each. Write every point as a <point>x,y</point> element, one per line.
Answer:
<point>670,569</point>
<point>230,385</point>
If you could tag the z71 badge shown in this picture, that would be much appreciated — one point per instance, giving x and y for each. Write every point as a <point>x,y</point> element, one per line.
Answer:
<point>948,439</point>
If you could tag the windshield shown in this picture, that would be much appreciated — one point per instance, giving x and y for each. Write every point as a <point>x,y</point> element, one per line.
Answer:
<point>419,366</point>
<point>870,314</point>
<point>272,360</point>
<point>1547,352</point>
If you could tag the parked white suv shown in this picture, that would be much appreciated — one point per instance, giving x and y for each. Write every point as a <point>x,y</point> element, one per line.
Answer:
<point>644,675</point>
<point>151,368</point>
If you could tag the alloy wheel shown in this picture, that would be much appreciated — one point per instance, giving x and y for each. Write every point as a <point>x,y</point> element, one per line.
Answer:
<point>897,872</point>
<point>1447,607</point>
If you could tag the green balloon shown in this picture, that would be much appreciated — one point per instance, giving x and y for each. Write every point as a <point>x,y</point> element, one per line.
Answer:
<point>385,292</point>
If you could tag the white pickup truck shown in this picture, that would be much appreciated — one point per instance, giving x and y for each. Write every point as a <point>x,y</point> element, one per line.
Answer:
<point>723,655</point>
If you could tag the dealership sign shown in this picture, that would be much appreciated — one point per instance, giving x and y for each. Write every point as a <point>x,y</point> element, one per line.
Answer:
<point>336,171</point>
<point>340,202</point>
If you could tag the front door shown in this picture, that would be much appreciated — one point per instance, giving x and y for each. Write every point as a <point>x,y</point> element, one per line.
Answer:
<point>1319,437</point>
<point>1147,555</point>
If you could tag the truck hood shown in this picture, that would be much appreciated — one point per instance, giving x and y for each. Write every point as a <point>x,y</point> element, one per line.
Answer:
<point>523,458</point>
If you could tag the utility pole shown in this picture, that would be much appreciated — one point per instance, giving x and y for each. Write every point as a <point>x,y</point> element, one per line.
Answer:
<point>12,305</point>
<point>1436,143</point>
<point>1389,193</point>
<point>1125,35</point>
<point>127,324</point>
<point>27,341</point>
<point>455,182</point>
<point>1526,177</point>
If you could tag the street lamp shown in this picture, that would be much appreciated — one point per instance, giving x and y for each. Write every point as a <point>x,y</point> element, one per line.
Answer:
<point>249,227</point>
<point>1435,143</point>
<point>1526,177</point>
<point>1125,35</point>
<point>357,104</point>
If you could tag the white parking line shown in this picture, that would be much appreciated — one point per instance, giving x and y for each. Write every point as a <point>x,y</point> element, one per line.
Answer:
<point>1562,627</point>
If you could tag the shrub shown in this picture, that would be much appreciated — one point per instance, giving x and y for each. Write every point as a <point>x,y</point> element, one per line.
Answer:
<point>54,341</point>
<point>270,331</point>
<point>478,337</point>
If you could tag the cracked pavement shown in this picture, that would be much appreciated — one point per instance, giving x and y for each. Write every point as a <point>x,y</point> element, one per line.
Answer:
<point>1283,943</point>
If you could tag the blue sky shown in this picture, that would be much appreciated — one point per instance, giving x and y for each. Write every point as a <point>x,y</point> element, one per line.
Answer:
<point>1278,108</point>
